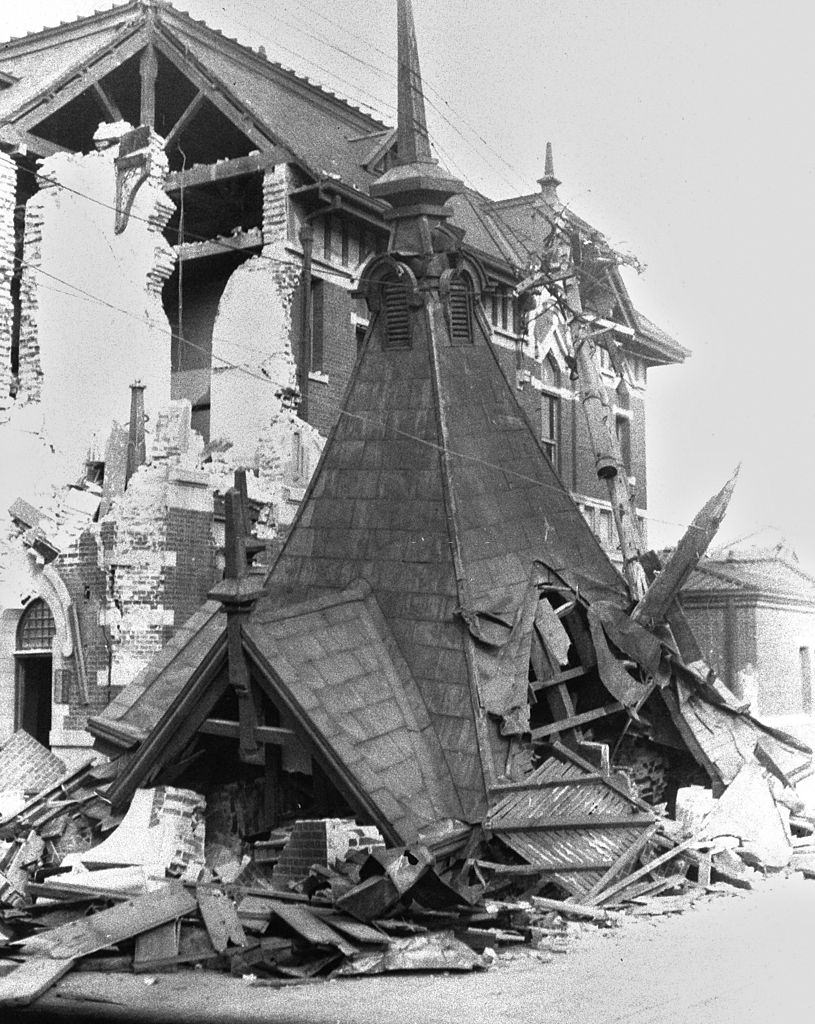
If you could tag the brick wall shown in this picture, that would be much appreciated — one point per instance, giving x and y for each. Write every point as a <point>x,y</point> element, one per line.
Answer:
<point>30,370</point>
<point>8,186</point>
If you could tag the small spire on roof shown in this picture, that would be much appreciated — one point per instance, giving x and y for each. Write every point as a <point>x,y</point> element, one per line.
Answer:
<point>549,182</point>
<point>416,187</point>
<point>413,138</point>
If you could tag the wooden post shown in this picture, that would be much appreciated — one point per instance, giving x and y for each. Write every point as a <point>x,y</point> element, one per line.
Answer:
<point>608,460</point>
<point>238,593</point>
<point>149,74</point>
<point>136,446</point>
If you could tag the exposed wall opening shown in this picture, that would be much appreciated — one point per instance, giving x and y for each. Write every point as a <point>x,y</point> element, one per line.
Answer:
<point>192,320</point>
<point>34,671</point>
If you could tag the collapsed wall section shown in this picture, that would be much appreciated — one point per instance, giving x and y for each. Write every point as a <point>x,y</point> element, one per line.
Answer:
<point>92,319</point>
<point>8,187</point>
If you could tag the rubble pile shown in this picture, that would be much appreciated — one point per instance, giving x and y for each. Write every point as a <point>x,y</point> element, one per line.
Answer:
<point>153,890</point>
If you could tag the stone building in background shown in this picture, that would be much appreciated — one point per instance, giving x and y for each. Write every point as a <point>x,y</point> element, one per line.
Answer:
<point>752,609</point>
<point>178,211</point>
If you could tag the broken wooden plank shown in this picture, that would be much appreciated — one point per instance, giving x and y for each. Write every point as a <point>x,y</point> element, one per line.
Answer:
<point>561,677</point>
<point>108,927</point>
<point>584,821</point>
<point>535,869</point>
<point>646,869</point>
<point>221,919</point>
<point>310,927</point>
<point>576,720</point>
<point>31,979</point>
<point>157,945</point>
<point>573,909</point>
<point>624,861</point>
<point>355,930</point>
<point>651,609</point>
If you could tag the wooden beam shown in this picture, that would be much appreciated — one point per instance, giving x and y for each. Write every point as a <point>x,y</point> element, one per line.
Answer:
<point>575,720</point>
<point>216,93</point>
<point>184,120</point>
<point>586,821</point>
<point>203,174</point>
<point>76,80</point>
<point>107,102</point>
<point>533,787</point>
<point>19,139</point>
<point>622,863</point>
<point>560,678</point>
<point>232,730</point>
<point>252,239</point>
<point>148,70</point>
<point>646,869</point>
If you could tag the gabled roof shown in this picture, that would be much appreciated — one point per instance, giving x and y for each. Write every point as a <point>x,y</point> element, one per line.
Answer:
<point>333,667</point>
<point>312,122</point>
<point>530,220</point>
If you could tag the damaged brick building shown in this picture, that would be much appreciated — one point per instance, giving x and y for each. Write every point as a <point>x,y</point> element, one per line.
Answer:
<point>187,235</point>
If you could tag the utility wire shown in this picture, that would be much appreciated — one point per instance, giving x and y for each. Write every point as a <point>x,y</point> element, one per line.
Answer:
<point>373,421</point>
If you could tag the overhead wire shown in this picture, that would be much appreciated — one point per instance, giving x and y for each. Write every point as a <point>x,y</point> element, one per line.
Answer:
<point>335,404</point>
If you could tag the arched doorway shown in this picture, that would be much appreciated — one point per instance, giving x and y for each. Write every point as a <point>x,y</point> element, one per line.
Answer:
<point>34,670</point>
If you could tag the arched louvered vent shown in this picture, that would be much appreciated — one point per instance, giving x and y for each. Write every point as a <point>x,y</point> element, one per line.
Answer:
<point>36,628</point>
<point>397,315</point>
<point>461,314</point>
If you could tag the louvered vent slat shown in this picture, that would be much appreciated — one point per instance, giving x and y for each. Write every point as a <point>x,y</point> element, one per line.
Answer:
<point>397,316</point>
<point>461,329</point>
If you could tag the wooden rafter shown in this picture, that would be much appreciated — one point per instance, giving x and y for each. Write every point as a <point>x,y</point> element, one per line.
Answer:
<point>187,116</point>
<point>15,137</point>
<point>80,78</point>
<point>218,94</point>
<point>107,102</point>
<point>576,720</point>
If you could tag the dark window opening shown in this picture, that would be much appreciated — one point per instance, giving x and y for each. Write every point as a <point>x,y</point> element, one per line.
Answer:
<point>504,312</point>
<point>622,426</point>
<point>328,235</point>
<point>550,411</point>
<point>317,313</point>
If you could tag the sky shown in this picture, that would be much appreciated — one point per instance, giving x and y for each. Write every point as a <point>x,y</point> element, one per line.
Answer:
<point>683,130</point>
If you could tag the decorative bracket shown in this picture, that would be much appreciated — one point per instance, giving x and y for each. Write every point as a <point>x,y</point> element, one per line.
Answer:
<point>133,166</point>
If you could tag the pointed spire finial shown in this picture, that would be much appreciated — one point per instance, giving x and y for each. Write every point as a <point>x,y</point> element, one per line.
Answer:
<point>416,187</point>
<point>549,182</point>
<point>412,138</point>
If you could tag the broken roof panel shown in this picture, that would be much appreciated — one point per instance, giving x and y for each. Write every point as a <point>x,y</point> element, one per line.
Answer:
<point>335,666</point>
<point>570,820</point>
<point>131,716</point>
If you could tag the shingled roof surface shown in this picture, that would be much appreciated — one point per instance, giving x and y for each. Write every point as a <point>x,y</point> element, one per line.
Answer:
<point>341,676</point>
<point>434,489</point>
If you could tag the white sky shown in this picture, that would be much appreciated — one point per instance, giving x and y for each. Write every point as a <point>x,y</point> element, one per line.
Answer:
<point>683,130</point>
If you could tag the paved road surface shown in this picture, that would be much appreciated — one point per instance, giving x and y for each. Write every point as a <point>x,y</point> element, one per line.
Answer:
<point>741,959</point>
